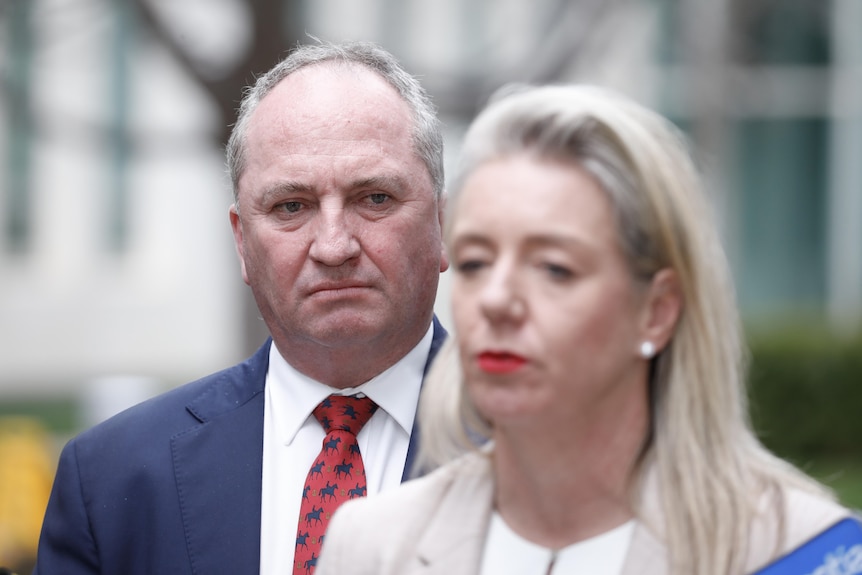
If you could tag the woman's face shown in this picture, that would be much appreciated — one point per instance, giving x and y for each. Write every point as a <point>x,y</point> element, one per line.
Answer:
<point>547,314</point>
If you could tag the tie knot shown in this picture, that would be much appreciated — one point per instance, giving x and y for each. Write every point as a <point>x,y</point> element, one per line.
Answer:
<point>345,413</point>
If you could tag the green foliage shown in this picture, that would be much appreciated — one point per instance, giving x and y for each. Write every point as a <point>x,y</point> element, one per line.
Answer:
<point>843,476</point>
<point>59,414</point>
<point>805,389</point>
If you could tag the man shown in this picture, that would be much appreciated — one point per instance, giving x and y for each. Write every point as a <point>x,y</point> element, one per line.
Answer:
<point>336,163</point>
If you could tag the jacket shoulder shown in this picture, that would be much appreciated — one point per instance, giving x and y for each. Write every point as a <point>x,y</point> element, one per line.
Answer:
<point>178,409</point>
<point>804,515</point>
<point>809,514</point>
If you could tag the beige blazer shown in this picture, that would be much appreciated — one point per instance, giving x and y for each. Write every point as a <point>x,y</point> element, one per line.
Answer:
<point>437,525</point>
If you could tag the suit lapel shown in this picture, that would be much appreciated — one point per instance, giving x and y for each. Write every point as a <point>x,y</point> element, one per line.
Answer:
<point>413,448</point>
<point>218,467</point>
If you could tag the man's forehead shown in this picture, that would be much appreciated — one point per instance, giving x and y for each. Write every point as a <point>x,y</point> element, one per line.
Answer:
<point>323,93</point>
<point>324,77</point>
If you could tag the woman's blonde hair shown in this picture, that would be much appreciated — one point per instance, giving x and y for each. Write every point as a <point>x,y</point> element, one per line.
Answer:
<point>710,467</point>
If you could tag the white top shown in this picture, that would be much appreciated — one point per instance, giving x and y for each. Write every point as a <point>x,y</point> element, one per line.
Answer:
<point>292,439</point>
<point>507,553</point>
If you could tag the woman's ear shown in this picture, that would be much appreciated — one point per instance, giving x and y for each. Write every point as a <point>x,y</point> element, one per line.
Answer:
<point>662,308</point>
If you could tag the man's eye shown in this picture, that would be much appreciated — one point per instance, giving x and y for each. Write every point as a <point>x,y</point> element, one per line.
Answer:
<point>290,207</point>
<point>378,199</point>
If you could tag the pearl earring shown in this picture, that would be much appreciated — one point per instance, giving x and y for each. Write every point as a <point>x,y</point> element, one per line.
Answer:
<point>647,350</point>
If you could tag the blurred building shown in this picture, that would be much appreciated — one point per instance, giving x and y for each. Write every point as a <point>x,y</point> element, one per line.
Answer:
<point>116,257</point>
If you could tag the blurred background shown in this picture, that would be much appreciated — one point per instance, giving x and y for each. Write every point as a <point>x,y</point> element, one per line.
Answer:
<point>118,277</point>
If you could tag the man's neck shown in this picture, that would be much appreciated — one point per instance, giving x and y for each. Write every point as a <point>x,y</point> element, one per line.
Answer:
<point>348,366</point>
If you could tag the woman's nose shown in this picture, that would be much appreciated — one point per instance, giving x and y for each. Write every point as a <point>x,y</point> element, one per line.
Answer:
<point>501,298</point>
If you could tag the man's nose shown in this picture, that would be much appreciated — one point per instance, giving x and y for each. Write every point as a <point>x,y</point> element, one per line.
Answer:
<point>334,241</point>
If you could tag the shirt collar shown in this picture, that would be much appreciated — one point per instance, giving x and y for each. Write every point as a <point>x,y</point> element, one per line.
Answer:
<point>294,395</point>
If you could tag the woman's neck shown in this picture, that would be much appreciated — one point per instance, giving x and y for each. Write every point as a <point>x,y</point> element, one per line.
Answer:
<point>559,482</point>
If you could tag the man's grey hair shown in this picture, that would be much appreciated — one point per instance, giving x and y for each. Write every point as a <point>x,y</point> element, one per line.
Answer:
<point>427,131</point>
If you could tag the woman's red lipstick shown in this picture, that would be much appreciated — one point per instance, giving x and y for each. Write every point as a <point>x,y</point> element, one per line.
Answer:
<point>500,362</point>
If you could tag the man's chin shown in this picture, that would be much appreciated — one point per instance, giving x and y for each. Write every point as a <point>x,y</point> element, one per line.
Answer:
<point>346,330</point>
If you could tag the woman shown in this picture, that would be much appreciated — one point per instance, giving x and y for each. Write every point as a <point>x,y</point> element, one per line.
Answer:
<point>598,348</point>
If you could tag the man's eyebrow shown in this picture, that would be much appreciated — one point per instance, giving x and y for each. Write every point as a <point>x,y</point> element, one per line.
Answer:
<point>282,188</point>
<point>383,182</point>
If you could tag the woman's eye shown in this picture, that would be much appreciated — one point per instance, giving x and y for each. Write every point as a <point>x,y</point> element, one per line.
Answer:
<point>468,266</point>
<point>558,272</point>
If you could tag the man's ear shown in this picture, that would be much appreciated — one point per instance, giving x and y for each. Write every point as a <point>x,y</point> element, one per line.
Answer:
<point>662,308</point>
<point>236,226</point>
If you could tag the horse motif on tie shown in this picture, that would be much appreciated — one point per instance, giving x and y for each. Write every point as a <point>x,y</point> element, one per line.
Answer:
<point>311,563</point>
<point>316,470</point>
<point>328,491</point>
<point>358,491</point>
<point>343,469</point>
<point>331,445</point>
<point>301,540</point>
<point>313,516</point>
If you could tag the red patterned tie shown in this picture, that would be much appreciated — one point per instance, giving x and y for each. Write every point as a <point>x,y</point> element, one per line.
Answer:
<point>336,476</point>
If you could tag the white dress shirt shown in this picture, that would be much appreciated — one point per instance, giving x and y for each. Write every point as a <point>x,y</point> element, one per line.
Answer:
<point>507,553</point>
<point>292,439</point>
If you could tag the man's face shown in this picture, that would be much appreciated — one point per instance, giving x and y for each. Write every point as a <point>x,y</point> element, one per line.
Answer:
<point>337,226</point>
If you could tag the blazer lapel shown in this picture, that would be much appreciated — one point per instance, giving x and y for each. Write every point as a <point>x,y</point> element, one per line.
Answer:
<point>218,467</point>
<point>647,554</point>
<point>454,540</point>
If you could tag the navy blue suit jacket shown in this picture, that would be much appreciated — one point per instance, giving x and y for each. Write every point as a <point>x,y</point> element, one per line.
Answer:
<point>171,486</point>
